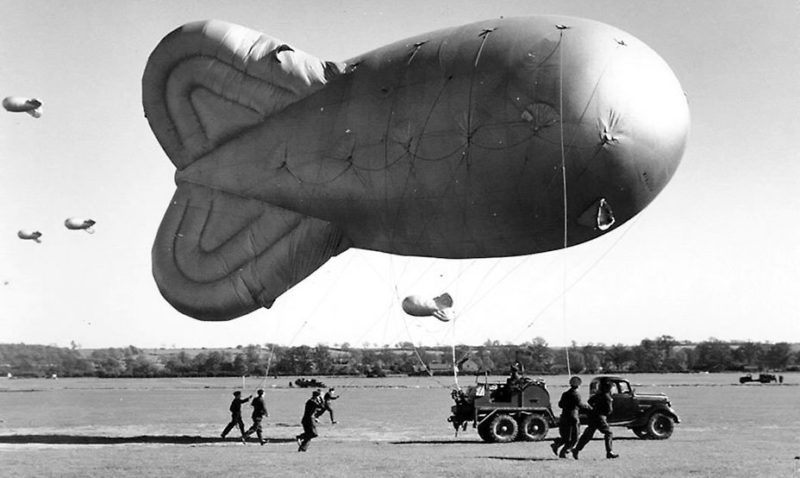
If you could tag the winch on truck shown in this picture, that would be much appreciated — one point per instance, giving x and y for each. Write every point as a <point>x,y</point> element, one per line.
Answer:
<point>520,409</point>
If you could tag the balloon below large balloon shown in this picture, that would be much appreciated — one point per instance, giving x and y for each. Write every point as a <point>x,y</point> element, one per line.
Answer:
<point>439,307</point>
<point>30,235</point>
<point>17,104</point>
<point>499,138</point>
<point>77,224</point>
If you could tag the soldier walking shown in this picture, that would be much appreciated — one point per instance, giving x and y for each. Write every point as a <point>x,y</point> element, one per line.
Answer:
<point>601,403</point>
<point>259,412</point>
<point>236,415</point>
<point>569,422</point>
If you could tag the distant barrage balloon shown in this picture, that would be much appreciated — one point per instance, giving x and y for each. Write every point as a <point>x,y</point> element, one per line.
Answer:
<point>439,307</point>
<point>30,235</point>
<point>18,104</point>
<point>79,223</point>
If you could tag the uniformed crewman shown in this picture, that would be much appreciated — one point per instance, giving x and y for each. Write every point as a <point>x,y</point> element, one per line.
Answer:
<point>309,421</point>
<point>601,403</point>
<point>259,412</point>
<point>327,403</point>
<point>569,421</point>
<point>236,414</point>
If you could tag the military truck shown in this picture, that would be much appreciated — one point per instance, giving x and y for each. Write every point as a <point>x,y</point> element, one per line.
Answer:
<point>521,410</point>
<point>504,411</point>
<point>762,378</point>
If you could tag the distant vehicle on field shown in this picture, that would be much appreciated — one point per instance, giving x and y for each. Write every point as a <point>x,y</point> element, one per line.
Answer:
<point>309,383</point>
<point>521,410</point>
<point>762,378</point>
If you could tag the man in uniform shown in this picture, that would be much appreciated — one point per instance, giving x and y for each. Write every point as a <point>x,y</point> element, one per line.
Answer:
<point>236,415</point>
<point>309,421</point>
<point>327,404</point>
<point>601,403</point>
<point>259,412</point>
<point>569,422</point>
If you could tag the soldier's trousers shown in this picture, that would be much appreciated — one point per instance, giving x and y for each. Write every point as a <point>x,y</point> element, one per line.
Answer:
<point>309,432</point>
<point>236,420</point>
<point>256,427</point>
<point>568,430</point>
<point>597,423</point>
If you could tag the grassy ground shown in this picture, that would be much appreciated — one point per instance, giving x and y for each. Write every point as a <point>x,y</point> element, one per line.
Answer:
<point>170,428</point>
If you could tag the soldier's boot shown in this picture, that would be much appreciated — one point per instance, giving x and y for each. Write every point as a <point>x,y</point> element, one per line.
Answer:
<point>609,452</point>
<point>575,452</point>
<point>555,446</point>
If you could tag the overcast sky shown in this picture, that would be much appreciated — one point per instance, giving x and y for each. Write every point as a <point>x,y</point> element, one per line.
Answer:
<point>717,254</point>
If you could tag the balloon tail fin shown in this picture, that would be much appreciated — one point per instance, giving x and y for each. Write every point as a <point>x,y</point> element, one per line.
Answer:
<point>218,256</point>
<point>208,82</point>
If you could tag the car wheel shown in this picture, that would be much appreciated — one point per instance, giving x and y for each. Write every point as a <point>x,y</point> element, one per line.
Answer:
<point>533,428</point>
<point>503,429</point>
<point>659,426</point>
<point>641,433</point>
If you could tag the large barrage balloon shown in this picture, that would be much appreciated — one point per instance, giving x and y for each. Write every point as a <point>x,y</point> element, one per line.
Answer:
<point>474,141</point>
<point>17,104</point>
<point>28,235</point>
<point>439,307</point>
<point>79,223</point>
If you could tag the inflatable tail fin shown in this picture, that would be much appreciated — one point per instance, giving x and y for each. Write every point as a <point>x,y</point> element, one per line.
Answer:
<point>218,256</point>
<point>444,301</point>
<point>207,82</point>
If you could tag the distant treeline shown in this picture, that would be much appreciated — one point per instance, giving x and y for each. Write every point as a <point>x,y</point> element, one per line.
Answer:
<point>663,354</point>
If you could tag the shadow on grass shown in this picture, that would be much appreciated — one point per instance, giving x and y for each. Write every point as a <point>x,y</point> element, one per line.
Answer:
<point>480,442</point>
<point>437,442</point>
<point>108,440</point>
<point>519,458</point>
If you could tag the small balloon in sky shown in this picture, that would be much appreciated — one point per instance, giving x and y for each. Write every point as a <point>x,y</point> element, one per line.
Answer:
<point>79,223</point>
<point>439,307</point>
<point>18,104</point>
<point>28,235</point>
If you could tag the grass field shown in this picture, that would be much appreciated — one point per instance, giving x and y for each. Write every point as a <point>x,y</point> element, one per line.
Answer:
<point>387,427</point>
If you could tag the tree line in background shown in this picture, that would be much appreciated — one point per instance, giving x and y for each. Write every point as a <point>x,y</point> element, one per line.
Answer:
<point>663,354</point>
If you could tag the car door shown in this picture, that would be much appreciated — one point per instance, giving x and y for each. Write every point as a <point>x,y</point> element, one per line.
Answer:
<point>624,406</point>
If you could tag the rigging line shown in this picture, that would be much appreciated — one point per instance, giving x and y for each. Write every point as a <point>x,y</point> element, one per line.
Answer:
<point>563,188</point>
<point>322,298</point>
<point>480,298</point>
<point>584,274</point>
<point>266,373</point>
<point>453,348</point>
<point>474,299</point>
<point>385,316</point>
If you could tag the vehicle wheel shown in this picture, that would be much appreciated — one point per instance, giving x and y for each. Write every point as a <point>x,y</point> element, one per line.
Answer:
<point>483,432</point>
<point>659,426</point>
<point>503,429</point>
<point>533,428</point>
<point>641,433</point>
